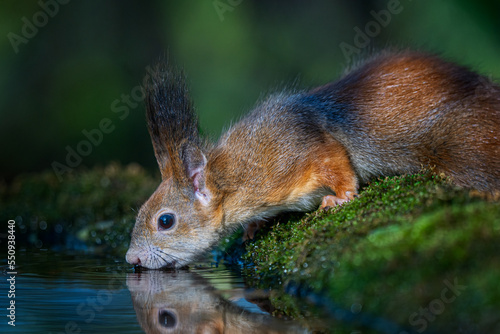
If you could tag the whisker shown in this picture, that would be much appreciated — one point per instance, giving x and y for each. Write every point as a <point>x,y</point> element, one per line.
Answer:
<point>173,257</point>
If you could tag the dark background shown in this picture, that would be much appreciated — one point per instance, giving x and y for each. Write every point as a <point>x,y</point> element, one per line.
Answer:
<point>65,78</point>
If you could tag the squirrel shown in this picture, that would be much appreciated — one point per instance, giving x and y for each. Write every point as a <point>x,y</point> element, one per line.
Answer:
<point>393,114</point>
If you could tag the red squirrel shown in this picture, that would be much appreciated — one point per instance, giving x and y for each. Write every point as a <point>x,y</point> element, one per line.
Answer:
<point>394,114</point>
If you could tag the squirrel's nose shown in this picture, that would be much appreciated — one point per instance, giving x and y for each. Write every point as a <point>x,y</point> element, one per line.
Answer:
<point>133,259</point>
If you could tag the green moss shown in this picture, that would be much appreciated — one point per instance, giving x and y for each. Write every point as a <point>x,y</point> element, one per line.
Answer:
<point>90,209</point>
<point>390,251</point>
<point>388,254</point>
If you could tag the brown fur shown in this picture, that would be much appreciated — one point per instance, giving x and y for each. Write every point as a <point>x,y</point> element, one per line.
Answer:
<point>395,114</point>
<point>413,110</point>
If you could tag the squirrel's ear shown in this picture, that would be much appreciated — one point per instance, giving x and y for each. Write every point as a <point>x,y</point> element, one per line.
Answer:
<point>195,164</point>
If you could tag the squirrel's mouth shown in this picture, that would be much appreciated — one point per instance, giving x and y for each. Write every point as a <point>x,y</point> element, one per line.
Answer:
<point>145,261</point>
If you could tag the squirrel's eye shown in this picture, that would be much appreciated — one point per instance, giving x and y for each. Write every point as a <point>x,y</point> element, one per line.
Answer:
<point>166,221</point>
<point>167,319</point>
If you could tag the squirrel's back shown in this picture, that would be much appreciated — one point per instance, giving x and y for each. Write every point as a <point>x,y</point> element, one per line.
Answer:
<point>397,113</point>
<point>410,110</point>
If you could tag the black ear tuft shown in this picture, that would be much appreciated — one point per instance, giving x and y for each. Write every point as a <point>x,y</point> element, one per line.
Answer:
<point>170,117</point>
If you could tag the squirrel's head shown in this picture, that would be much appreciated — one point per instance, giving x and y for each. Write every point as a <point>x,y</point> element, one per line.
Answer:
<point>173,226</point>
<point>178,221</point>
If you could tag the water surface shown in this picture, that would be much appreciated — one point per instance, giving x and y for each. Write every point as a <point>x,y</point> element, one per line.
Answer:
<point>82,293</point>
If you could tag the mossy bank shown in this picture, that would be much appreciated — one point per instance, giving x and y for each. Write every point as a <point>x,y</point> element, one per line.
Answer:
<point>411,254</point>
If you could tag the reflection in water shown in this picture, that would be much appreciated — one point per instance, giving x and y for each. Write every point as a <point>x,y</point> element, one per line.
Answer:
<point>185,302</point>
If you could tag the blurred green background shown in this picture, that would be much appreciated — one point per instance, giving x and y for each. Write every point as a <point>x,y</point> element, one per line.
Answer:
<point>86,56</point>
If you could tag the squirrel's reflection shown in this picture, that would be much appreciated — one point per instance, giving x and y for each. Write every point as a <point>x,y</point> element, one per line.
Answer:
<point>184,302</point>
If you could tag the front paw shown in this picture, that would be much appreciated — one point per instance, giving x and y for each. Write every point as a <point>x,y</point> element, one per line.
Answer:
<point>251,229</point>
<point>330,201</point>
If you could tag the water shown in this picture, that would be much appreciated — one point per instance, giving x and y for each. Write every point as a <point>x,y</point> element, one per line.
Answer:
<point>80,293</point>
